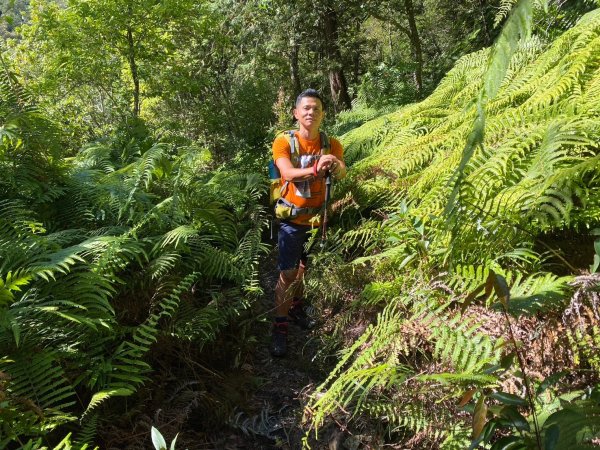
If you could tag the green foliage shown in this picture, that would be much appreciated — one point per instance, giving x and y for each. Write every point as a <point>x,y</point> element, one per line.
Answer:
<point>132,246</point>
<point>528,115</point>
<point>384,86</point>
<point>509,181</point>
<point>121,233</point>
<point>376,376</point>
<point>29,146</point>
<point>566,421</point>
<point>102,68</point>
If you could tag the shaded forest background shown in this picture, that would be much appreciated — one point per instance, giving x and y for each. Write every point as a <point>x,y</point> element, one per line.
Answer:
<point>214,73</point>
<point>133,216</point>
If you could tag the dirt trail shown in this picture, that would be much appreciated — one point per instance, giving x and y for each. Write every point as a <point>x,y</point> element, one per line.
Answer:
<point>272,419</point>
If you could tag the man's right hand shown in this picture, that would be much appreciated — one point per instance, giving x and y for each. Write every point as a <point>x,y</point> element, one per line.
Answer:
<point>327,163</point>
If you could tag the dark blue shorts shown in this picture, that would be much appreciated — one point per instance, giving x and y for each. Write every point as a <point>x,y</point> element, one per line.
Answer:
<point>291,242</point>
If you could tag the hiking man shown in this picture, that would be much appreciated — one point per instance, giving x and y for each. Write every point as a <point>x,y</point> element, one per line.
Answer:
<point>304,158</point>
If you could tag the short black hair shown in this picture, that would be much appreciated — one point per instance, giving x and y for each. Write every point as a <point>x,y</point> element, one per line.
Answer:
<point>309,93</point>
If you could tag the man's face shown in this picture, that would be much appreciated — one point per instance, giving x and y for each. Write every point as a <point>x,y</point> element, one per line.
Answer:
<point>309,113</point>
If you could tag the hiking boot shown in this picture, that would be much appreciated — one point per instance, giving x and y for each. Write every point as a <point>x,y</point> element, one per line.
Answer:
<point>299,315</point>
<point>279,339</point>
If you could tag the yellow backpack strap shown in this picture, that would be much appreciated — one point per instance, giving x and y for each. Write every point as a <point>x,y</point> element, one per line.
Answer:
<point>294,147</point>
<point>325,144</point>
<point>292,139</point>
<point>285,209</point>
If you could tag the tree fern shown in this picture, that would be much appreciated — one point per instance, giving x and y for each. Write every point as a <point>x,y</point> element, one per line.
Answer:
<point>500,176</point>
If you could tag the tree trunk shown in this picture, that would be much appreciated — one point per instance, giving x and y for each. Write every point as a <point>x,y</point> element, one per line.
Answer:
<point>134,72</point>
<point>339,90</point>
<point>356,58</point>
<point>488,38</point>
<point>356,70</point>
<point>294,68</point>
<point>337,80</point>
<point>415,43</point>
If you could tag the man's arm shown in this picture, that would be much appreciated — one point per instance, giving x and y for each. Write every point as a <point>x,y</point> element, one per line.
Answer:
<point>291,173</point>
<point>324,163</point>
<point>337,165</point>
<point>338,168</point>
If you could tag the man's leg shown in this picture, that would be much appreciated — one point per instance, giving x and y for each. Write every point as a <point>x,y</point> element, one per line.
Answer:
<point>291,246</point>
<point>283,302</point>
<point>284,291</point>
<point>299,285</point>
<point>297,311</point>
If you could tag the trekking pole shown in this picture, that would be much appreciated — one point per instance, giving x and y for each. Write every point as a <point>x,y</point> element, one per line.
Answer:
<point>325,205</point>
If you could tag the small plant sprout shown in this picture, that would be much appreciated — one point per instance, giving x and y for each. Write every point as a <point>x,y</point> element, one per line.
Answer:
<point>159,441</point>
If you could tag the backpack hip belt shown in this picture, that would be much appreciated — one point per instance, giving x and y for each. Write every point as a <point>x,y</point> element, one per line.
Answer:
<point>285,209</point>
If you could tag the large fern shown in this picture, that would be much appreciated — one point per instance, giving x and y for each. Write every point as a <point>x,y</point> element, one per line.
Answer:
<point>101,256</point>
<point>445,191</point>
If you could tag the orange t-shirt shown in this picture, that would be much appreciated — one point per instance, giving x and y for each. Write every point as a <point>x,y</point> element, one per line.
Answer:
<point>281,149</point>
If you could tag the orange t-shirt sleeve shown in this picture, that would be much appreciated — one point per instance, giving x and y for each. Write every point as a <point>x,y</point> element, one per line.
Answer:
<point>281,148</point>
<point>336,149</point>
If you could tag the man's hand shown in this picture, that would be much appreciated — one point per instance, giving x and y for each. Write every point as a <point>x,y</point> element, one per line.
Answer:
<point>332,164</point>
<point>327,162</point>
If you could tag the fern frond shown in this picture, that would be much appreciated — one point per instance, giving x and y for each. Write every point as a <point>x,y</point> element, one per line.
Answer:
<point>37,378</point>
<point>87,434</point>
<point>129,366</point>
<point>503,10</point>
<point>181,233</point>
<point>99,398</point>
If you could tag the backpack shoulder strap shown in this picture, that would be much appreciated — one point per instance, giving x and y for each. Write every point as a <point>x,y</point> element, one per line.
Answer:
<point>290,136</point>
<point>325,144</point>
<point>294,147</point>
